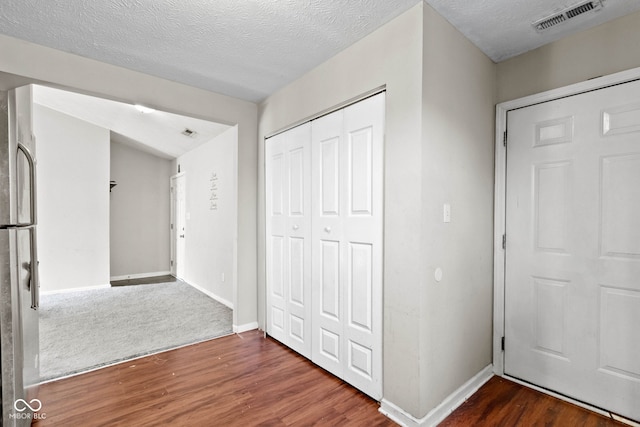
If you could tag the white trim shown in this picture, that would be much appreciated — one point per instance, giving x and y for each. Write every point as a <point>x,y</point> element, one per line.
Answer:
<point>140,275</point>
<point>69,290</point>
<point>624,420</point>
<point>211,294</point>
<point>446,407</point>
<point>238,329</point>
<point>500,186</point>
<point>339,106</point>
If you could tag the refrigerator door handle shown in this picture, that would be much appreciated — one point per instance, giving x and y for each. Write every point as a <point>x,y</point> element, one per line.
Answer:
<point>34,278</point>
<point>32,178</point>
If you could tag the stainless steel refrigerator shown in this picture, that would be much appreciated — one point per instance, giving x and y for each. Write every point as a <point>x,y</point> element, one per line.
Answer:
<point>19,299</point>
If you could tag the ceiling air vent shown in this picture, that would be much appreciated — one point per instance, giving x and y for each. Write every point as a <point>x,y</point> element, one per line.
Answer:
<point>567,14</point>
<point>190,133</point>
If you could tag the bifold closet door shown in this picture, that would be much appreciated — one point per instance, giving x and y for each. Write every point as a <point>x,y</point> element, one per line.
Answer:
<point>288,268</point>
<point>347,243</point>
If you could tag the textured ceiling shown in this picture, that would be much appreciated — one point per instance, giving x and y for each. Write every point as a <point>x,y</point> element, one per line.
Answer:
<point>246,49</point>
<point>249,49</point>
<point>502,28</point>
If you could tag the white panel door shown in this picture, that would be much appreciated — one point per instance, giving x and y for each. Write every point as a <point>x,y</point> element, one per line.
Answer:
<point>347,240</point>
<point>572,307</point>
<point>178,184</point>
<point>288,182</point>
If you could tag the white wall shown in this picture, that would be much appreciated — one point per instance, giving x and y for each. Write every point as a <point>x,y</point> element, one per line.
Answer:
<point>22,62</point>
<point>73,201</point>
<point>210,231</point>
<point>139,213</point>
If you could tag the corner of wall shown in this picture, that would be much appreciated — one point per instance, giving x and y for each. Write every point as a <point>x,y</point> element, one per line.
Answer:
<point>458,98</point>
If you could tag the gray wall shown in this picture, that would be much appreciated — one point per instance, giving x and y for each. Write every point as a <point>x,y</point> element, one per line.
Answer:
<point>457,168</point>
<point>139,212</point>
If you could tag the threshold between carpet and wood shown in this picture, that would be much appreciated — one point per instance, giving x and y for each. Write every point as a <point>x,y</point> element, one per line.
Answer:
<point>85,330</point>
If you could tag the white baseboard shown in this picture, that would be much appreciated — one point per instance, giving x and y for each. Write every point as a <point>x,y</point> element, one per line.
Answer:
<point>140,275</point>
<point>212,295</point>
<point>66,291</point>
<point>440,412</point>
<point>238,329</point>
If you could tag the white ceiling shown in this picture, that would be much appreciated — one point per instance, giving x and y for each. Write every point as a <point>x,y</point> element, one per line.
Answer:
<point>159,132</point>
<point>249,49</point>
<point>246,49</point>
<point>502,28</point>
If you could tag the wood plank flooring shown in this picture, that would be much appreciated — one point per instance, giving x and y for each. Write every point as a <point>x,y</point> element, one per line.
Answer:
<point>144,281</point>
<point>238,380</point>
<point>501,402</point>
<point>245,380</point>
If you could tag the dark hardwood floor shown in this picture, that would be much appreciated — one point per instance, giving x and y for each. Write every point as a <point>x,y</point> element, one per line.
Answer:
<point>501,402</point>
<point>245,380</point>
<point>238,380</point>
<point>144,281</point>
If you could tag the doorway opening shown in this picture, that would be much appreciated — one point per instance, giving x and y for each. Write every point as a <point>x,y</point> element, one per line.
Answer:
<point>92,235</point>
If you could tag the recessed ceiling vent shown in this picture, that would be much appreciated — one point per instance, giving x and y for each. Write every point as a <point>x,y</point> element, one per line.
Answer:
<point>190,133</point>
<point>567,14</point>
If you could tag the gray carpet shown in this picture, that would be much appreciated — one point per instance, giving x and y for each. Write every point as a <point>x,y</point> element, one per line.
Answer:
<point>84,330</point>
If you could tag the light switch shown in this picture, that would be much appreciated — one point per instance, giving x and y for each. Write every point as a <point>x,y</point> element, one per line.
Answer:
<point>446,213</point>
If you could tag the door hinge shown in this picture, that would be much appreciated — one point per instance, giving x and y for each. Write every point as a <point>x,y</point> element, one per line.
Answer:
<point>504,138</point>
<point>504,241</point>
<point>171,263</point>
<point>172,226</point>
<point>502,344</point>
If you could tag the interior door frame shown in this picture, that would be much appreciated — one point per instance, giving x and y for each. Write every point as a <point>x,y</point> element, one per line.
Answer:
<point>499,225</point>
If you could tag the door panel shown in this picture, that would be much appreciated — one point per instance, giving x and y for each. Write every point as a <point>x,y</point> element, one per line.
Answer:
<point>330,176</point>
<point>276,196</point>
<point>620,228</point>
<point>288,201</point>
<point>329,193</point>
<point>572,295</point>
<point>347,151</point>
<point>362,234</point>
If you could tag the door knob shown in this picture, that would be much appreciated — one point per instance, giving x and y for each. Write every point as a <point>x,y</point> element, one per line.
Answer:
<point>182,236</point>
<point>327,229</point>
<point>295,227</point>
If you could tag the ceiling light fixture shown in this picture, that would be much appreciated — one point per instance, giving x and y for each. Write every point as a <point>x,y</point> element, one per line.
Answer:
<point>143,109</point>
